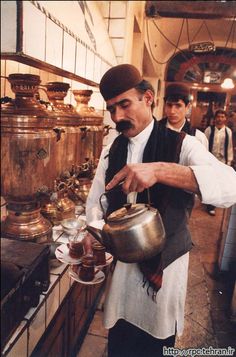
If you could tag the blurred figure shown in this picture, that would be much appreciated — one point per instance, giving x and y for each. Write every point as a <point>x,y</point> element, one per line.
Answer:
<point>210,114</point>
<point>232,126</point>
<point>232,121</point>
<point>220,143</point>
<point>203,124</point>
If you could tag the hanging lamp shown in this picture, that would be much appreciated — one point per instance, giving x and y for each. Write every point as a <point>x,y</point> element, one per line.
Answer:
<point>227,83</point>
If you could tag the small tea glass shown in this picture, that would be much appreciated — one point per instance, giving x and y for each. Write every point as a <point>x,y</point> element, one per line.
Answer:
<point>87,268</point>
<point>76,246</point>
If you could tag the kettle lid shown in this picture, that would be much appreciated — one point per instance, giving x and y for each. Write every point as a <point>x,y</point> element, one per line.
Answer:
<point>127,211</point>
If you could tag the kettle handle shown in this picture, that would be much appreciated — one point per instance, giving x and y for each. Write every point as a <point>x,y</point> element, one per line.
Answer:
<point>117,187</point>
<point>149,196</point>
<point>103,210</point>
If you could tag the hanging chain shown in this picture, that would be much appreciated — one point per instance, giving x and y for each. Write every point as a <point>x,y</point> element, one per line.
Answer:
<point>148,38</point>
<point>188,32</point>
<point>175,45</point>
<point>209,33</point>
<point>197,32</point>
<point>230,31</point>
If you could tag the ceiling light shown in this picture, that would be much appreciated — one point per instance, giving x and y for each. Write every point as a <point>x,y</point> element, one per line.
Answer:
<point>228,83</point>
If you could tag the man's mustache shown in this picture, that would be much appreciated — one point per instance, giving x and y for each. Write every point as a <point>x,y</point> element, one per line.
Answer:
<point>123,125</point>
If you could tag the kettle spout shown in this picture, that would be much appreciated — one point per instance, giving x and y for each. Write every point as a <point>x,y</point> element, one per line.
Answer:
<point>96,233</point>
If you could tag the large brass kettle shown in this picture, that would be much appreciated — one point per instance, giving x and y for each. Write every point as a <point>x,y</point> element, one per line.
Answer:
<point>133,233</point>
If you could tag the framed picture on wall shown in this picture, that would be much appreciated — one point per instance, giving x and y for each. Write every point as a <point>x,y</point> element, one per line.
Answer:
<point>212,77</point>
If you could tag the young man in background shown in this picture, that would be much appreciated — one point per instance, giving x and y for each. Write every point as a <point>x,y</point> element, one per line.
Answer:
<point>220,143</point>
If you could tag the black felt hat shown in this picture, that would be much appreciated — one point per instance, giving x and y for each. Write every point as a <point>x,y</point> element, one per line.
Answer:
<point>177,91</point>
<point>119,79</point>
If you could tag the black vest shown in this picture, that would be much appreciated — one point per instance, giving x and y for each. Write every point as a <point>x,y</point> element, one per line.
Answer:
<point>173,204</point>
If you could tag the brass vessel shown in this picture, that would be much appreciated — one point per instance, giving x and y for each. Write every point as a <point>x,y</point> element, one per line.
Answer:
<point>85,185</point>
<point>27,225</point>
<point>27,141</point>
<point>50,211</point>
<point>67,123</point>
<point>56,212</point>
<point>82,98</point>
<point>59,206</point>
<point>92,127</point>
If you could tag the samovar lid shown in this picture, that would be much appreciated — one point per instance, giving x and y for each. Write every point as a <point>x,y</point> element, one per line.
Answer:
<point>25,87</point>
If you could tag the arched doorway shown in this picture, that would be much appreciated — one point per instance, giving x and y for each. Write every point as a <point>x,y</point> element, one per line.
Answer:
<point>204,74</point>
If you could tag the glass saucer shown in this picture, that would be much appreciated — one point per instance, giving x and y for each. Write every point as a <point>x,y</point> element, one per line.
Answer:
<point>62,254</point>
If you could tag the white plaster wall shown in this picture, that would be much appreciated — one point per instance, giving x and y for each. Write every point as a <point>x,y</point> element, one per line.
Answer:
<point>8,26</point>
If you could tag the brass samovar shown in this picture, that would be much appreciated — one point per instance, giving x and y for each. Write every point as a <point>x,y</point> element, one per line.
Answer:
<point>27,143</point>
<point>92,127</point>
<point>67,125</point>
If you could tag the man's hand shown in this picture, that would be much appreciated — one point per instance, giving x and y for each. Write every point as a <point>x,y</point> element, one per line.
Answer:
<point>138,177</point>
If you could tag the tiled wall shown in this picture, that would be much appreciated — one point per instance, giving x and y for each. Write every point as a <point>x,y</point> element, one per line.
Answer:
<point>47,38</point>
<point>84,38</point>
<point>35,322</point>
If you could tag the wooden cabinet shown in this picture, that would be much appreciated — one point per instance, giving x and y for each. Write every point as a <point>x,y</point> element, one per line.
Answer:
<point>66,331</point>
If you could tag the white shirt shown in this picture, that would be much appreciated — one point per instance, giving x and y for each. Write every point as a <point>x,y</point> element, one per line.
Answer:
<point>218,149</point>
<point>126,298</point>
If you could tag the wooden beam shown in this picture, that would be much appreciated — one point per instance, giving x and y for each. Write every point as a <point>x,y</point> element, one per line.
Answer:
<point>190,9</point>
<point>33,62</point>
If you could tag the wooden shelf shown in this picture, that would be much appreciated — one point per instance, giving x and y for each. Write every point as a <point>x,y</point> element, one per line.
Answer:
<point>33,62</point>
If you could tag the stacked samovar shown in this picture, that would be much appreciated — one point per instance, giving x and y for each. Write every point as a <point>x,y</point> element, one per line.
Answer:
<point>92,129</point>
<point>27,140</point>
<point>39,147</point>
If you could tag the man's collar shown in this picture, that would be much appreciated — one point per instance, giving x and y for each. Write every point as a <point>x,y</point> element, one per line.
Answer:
<point>168,125</point>
<point>143,135</point>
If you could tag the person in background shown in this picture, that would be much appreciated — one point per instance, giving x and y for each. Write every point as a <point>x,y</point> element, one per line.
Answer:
<point>203,124</point>
<point>144,305</point>
<point>232,126</point>
<point>220,143</point>
<point>177,104</point>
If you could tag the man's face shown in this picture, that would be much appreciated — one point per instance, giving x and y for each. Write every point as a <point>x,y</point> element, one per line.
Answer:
<point>131,111</point>
<point>220,120</point>
<point>176,112</point>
